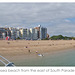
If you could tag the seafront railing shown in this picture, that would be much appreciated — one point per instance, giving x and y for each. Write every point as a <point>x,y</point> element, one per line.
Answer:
<point>4,60</point>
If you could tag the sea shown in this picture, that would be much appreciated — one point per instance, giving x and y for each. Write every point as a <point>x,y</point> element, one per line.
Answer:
<point>59,58</point>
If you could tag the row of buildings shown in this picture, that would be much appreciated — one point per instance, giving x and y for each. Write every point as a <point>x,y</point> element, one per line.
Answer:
<point>36,33</point>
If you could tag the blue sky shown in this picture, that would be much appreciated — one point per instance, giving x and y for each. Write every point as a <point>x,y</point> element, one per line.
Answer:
<point>59,18</point>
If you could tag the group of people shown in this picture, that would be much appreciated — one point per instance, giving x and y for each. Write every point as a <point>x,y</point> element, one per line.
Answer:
<point>36,52</point>
<point>30,50</point>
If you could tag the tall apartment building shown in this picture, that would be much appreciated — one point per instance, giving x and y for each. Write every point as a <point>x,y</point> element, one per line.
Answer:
<point>41,32</point>
<point>28,35</point>
<point>33,33</point>
<point>23,33</point>
<point>18,34</point>
<point>38,32</point>
<point>13,33</point>
<point>8,32</point>
<point>2,33</point>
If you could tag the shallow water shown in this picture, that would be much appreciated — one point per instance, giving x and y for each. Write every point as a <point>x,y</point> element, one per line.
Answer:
<point>60,58</point>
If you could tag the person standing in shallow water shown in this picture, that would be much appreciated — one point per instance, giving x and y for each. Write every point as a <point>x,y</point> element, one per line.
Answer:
<point>36,51</point>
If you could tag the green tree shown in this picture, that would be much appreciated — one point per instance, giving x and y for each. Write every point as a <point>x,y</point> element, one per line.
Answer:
<point>18,38</point>
<point>60,37</point>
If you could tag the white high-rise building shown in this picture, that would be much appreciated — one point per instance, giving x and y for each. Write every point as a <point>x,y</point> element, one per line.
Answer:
<point>18,34</point>
<point>13,33</point>
<point>23,33</point>
<point>42,32</point>
<point>28,34</point>
<point>33,33</point>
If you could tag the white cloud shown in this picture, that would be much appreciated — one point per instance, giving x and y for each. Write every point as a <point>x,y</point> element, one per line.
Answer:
<point>52,15</point>
<point>66,20</point>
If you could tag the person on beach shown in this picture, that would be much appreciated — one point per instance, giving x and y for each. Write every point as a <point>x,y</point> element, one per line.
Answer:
<point>29,51</point>
<point>26,47</point>
<point>36,51</point>
<point>8,42</point>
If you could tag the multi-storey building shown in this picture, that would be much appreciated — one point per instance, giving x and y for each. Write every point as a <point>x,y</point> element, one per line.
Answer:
<point>18,34</point>
<point>41,32</point>
<point>2,33</point>
<point>8,32</point>
<point>33,33</point>
<point>28,35</point>
<point>38,32</point>
<point>23,33</point>
<point>13,33</point>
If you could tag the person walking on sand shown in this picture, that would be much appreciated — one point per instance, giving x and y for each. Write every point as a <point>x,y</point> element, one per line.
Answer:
<point>26,47</point>
<point>29,51</point>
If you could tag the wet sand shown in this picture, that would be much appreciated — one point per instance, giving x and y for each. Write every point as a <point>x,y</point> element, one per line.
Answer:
<point>18,50</point>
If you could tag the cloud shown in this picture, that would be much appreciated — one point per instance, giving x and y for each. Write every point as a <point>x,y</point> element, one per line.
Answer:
<point>54,16</point>
<point>66,20</point>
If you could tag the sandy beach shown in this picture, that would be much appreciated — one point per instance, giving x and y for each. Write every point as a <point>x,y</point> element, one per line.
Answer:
<point>19,49</point>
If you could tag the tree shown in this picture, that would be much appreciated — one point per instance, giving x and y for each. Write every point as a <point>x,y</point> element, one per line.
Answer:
<point>60,37</point>
<point>18,38</point>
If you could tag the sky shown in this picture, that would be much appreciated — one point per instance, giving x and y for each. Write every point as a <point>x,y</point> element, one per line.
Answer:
<point>58,18</point>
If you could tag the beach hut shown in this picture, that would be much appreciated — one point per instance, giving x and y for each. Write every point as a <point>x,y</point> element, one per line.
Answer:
<point>7,38</point>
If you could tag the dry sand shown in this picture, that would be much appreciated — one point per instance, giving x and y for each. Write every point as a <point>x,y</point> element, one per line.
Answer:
<point>18,49</point>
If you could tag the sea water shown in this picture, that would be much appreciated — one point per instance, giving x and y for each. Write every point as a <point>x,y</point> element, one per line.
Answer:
<point>59,58</point>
